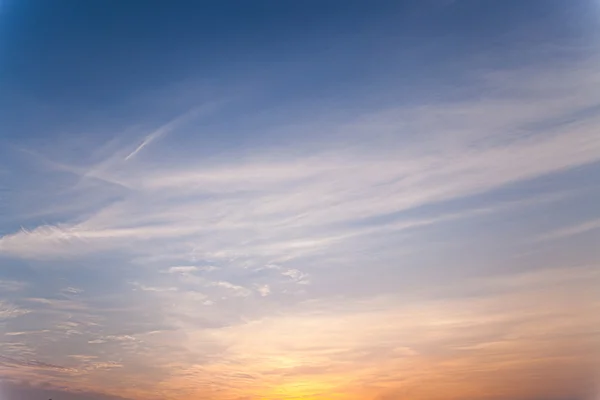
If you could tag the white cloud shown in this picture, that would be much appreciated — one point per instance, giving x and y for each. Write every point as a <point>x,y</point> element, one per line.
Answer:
<point>569,231</point>
<point>182,269</point>
<point>277,205</point>
<point>12,285</point>
<point>146,288</point>
<point>72,290</point>
<point>236,289</point>
<point>8,310</point>
<point>264,290</point>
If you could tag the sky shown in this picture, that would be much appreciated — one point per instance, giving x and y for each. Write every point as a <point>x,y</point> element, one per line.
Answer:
<point>285,200</point>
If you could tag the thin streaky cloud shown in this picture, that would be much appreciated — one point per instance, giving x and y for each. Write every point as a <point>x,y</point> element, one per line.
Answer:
<point>182,269</point>
<point>173,125</point>
<point>584,227</point>
<point>12,285</point>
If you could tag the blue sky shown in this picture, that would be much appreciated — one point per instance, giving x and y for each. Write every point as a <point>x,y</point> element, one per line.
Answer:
<point>299,200</point>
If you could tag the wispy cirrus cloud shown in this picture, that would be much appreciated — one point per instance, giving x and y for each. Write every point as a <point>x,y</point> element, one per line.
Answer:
<point>584,227</point>
<point>9,310</point>
<point>12,285</point>
<point>270,195</point>
<point>9,361</point>
<point>232,273</point>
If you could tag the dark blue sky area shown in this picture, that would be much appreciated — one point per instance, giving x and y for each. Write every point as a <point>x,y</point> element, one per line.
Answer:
<point>118,61</point>
<point>93,52</point>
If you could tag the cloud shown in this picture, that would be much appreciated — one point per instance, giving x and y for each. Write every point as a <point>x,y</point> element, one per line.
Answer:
<point>336,197</point>
<point>56,304</point>
<point>237,289</point>
<point>12,286</point>
<point>578,229</point>
<point>264,290</point>
<point>8,310</point>
<point>370,347</point>
<point>31,390</point>
<point>252,273</point>
<point>145,288</point>
<point>71,291</point>
<point>276,203</point>
<point>190,269</point>
<point>9,361</point>
<point>167,128</point>
<point>26,332</point>
<point>182,269</point>
<point>112,338</point>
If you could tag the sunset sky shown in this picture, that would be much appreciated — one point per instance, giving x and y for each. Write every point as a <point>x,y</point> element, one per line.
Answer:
<point>285,200</point>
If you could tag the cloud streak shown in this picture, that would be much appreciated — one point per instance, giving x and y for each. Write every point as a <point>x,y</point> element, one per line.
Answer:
<point>312,192</point>
<point>588,226</point>
<point>168,128</point>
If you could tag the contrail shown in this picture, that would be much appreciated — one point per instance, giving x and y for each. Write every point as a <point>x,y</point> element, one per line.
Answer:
<point>169,127</point>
